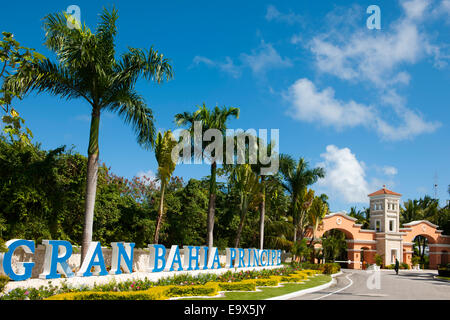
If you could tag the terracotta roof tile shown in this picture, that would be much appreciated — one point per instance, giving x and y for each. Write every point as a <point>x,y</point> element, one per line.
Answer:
<point>384,191</point>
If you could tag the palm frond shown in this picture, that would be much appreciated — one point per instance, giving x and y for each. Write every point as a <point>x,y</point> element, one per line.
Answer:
<point>130,106</point>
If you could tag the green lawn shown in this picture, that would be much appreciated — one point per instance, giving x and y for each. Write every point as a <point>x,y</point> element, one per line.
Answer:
<point>270,292</point>
<point>444,278</point>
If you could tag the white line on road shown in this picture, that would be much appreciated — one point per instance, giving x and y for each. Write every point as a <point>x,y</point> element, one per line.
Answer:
<point>329,294</point>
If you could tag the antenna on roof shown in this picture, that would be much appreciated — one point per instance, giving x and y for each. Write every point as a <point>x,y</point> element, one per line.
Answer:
<point>435,185</point>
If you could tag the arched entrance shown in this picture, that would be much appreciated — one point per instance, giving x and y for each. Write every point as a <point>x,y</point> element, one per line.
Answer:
<point>355,237</point>
<point>362,243</point>
<point>421,250</point>
<point>334,246</point>
<point>437,243</point>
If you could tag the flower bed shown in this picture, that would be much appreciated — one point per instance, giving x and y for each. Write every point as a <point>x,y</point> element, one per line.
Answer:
<point>208,289</point>
<point>179,286</point>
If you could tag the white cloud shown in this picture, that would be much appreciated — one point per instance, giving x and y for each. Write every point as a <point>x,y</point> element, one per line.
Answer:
<point>412,123</point>
<point>374,58</point>
<point>377,56</point>
<point>228,66</point>
<point>346,178</point>
<point>312,105</point>
<point>344,175</point>
<point>390,171</point>
<point>260,60</point>
<point>296,39</point>
<point>445,6</point>
<point>415,9</point>
<point>264,58</point>
<point>83,118</point>
<point>273,14</point>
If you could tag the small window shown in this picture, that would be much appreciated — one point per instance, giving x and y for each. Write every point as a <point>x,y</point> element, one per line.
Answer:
<point>377,225</point>
<point>391,225</point>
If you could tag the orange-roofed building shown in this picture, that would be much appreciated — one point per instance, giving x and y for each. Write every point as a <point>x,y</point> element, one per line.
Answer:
<point>384,236</point>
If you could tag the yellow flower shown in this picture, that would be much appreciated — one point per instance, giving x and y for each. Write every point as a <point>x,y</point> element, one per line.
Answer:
<point>14,113</point>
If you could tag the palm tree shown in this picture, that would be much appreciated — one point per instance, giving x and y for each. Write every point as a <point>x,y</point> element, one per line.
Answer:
<point>246,182</point>
<point>297,177</point>
<point>278,226</point>
<point>362,216</point>
<point>411,211</point>
<point>333,244</point>
<point>166,165</point>
<point>87,68</point>
<point>210,119</point>
<point>316,213</point>
<point>265,182</point>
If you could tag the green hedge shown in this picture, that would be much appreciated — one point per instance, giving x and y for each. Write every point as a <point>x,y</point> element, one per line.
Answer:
<point>325,268</point>
<point>246,285</point>
<point>170,291</point>
<point>209,289</point>
<point>156,293</point>
<point>265,282</point>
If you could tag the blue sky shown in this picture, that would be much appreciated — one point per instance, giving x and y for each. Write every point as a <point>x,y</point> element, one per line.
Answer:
<point>369,105</point>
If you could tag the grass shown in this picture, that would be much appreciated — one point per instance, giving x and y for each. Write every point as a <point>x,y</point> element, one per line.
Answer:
<point>443,278</point>
<point>270,292</point>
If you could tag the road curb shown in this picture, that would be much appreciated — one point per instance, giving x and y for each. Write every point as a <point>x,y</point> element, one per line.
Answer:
<point>309,290</point>
<point>438,279</point>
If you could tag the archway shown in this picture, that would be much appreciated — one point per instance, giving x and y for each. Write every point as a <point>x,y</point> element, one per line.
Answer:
<point>421,250</point>
<point>355,237</point>
<point>436,242</point>
<point>334,246</point>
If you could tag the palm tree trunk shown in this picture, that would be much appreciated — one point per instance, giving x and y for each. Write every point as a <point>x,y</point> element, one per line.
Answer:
<point>211,208</point>
<point>241,223</point>
<point>160,213</point>
<point>261,219</point>
<point>301,226</point>
<point>311,245</point>
<point>91,182</point>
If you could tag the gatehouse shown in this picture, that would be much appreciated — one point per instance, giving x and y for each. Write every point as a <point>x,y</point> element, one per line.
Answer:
<point>384,236</point>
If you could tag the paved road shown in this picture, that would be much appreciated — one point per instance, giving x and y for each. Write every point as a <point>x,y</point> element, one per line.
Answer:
<point>353,285</point>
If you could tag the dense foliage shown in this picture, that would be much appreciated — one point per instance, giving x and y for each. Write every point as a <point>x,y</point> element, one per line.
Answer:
<point>42,197</point>
<point>227,281</point>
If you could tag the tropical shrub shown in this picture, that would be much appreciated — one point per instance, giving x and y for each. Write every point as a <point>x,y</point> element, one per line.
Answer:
<point>265,282</point>
<point>330,268</point>
<point>209,289</point>
<point>237,286</point>
<point>3,282</point>
<point>156,293</point>
<point>378,260</point>
<point>444,270</point>
<point>404,265</point>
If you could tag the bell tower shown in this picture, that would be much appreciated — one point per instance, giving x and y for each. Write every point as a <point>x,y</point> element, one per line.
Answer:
<point>385,220</point>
